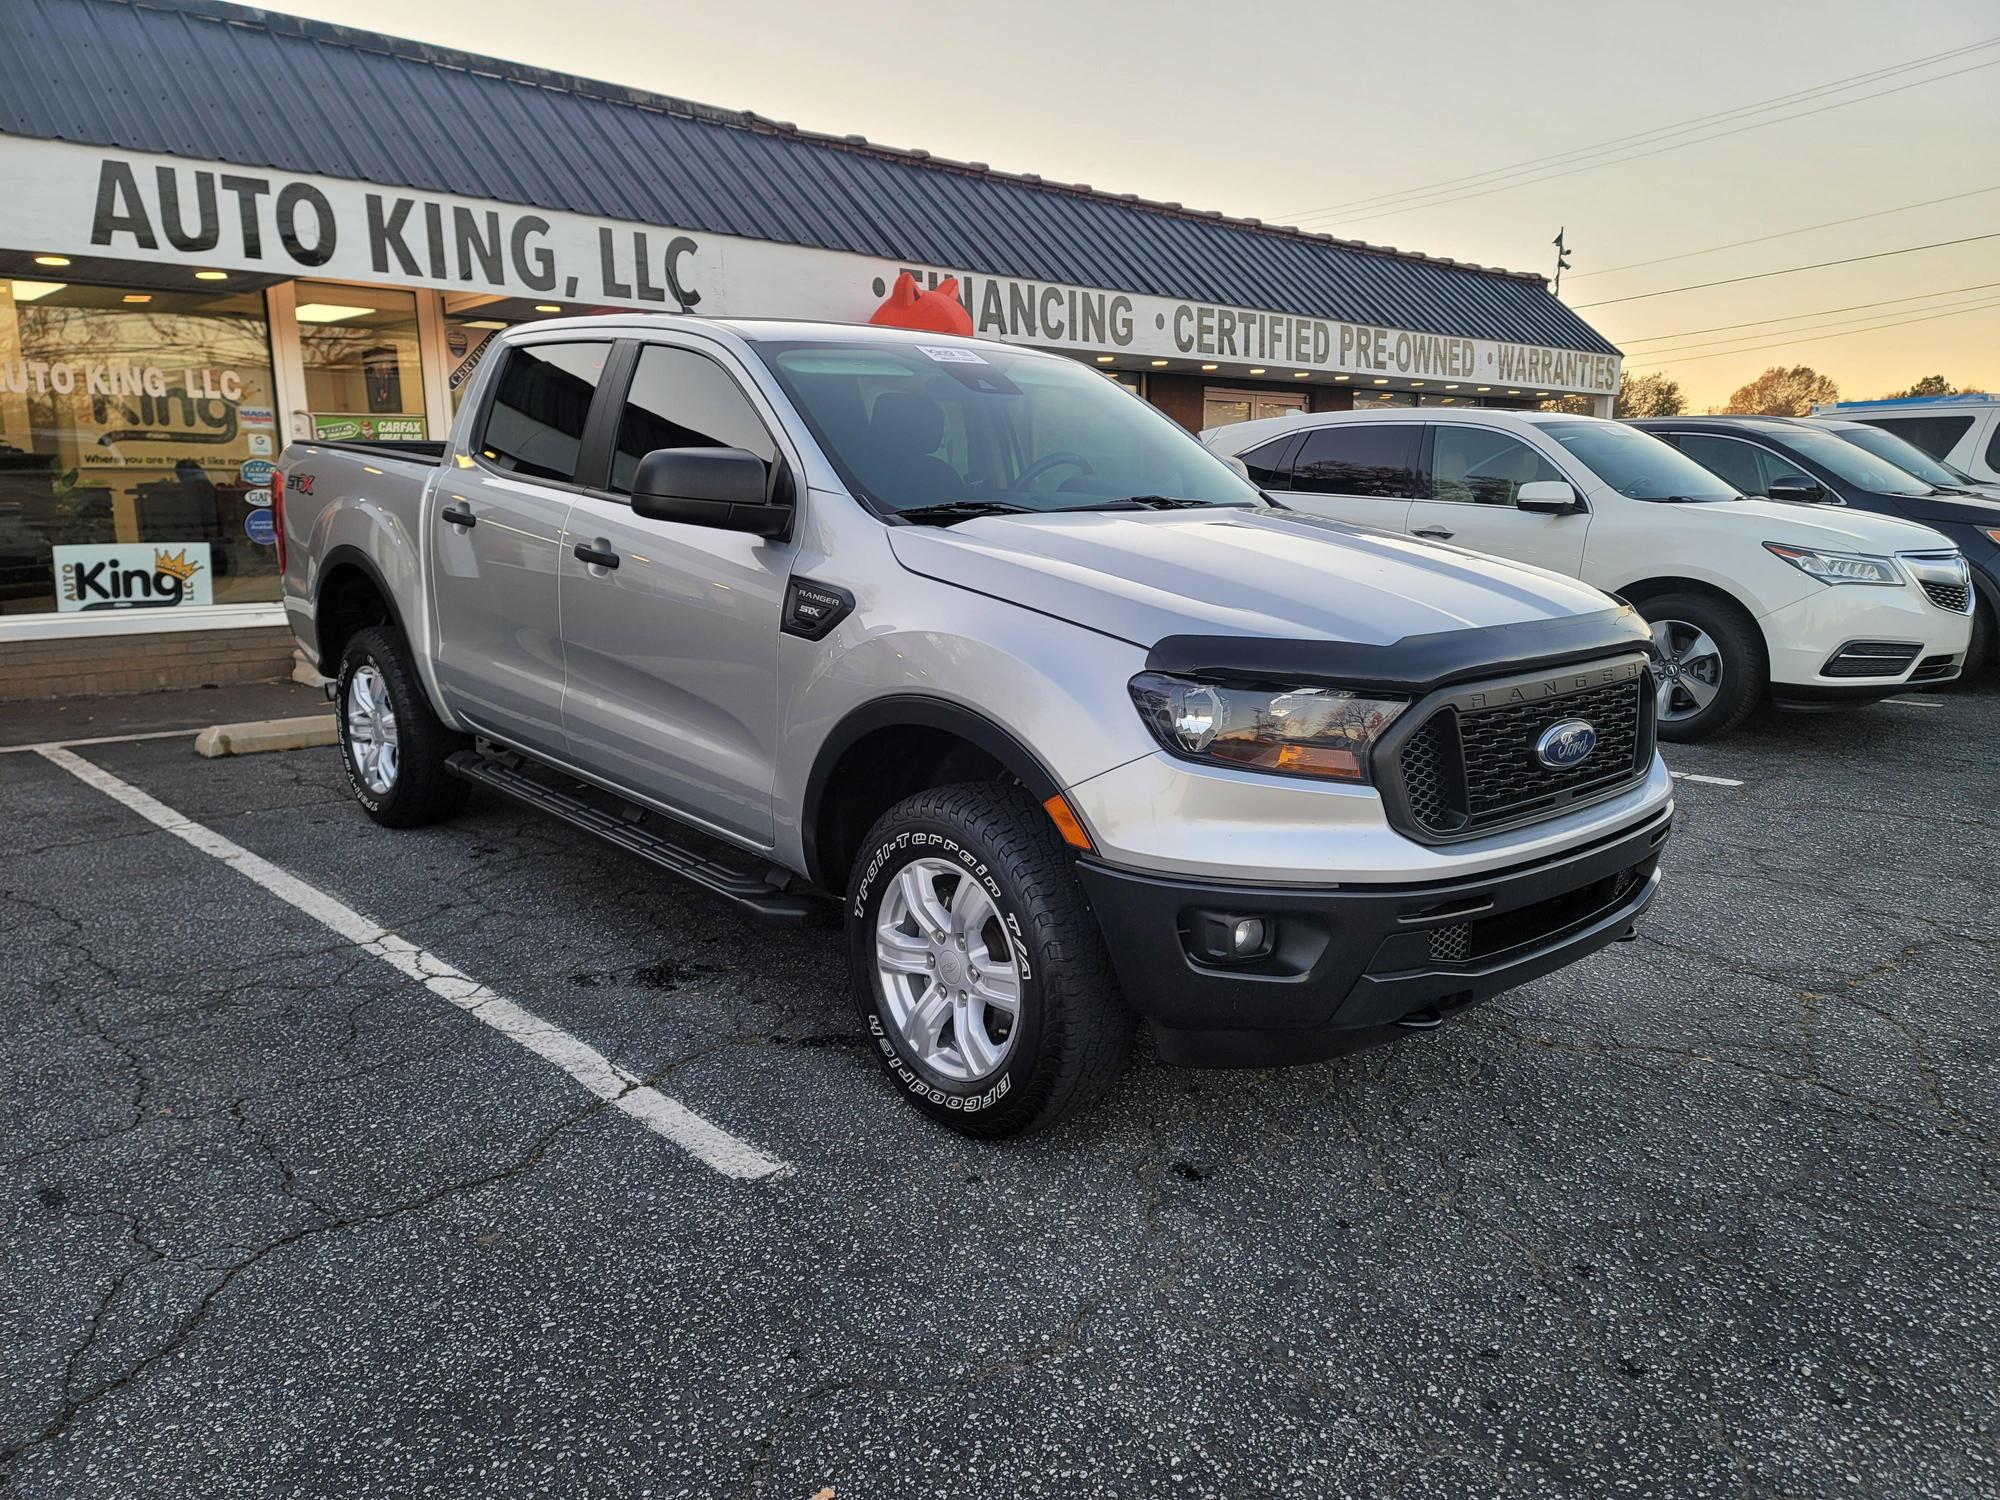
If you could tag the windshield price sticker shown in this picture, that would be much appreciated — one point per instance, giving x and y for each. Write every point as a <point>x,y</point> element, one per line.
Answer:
<point>949,356</point>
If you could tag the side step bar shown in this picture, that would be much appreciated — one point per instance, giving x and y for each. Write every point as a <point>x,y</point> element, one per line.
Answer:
<point>628,832</point>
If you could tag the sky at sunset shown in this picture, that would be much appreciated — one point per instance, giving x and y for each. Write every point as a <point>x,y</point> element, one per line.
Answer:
<point>1315,114</point>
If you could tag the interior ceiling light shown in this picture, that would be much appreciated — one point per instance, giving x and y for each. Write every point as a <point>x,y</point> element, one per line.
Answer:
<point>1381,380</point>
<point>138,296</point>
<point>211,276</point>
<point>51,260</point>
<point>484,323</point>
<point>330,312</point>
<point>1416,385</point>
<point>1451,387</point>
<point>547,307</point>
<point>34,291</point>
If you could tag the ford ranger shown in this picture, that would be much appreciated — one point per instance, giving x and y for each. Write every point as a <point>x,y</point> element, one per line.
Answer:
<point>1074,724</point>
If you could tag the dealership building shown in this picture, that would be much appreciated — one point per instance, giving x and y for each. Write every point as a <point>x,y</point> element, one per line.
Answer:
<point>225,229</point>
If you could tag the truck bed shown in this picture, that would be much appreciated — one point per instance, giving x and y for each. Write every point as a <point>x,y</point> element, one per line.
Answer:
<point>426,451</point>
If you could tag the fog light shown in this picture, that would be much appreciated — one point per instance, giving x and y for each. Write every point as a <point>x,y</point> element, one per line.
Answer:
<point>1219,937</point>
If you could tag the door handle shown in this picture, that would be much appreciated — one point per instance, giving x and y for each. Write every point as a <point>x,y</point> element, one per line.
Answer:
<point>458,516</point>
<point>1435,533</point>
<point>597,553</point>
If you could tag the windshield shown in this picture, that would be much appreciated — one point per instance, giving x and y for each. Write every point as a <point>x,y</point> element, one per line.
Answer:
<point>1906,456</point>
<point>1637,464</point>
<point>1855,465</point>
<point>911,426</point>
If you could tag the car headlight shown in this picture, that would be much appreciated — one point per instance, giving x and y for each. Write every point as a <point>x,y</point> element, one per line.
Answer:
<point>1836,567</point>
<point>1323,732</point>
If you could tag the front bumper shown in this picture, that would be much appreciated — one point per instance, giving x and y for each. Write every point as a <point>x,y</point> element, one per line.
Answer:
<point>1808,637</point>
<point>1354,965</point>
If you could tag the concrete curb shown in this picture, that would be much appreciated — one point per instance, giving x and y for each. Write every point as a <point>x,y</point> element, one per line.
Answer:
<point>266,734</point>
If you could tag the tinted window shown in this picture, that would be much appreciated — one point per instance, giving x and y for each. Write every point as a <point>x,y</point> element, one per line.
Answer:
<point>1374,461</point>
<point>1478,466</point>
<point>1266,462</point>
<point>534,426</point>
<point>1937,436</point>
<point>680,399</point>
<point>1734,461</point>
<point>1817,445</point>
<point>1904,455</point>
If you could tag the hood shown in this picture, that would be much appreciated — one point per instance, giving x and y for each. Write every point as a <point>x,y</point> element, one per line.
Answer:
<point>1978,509</point>
<point>1142,576</point>
<point>1838,528</point>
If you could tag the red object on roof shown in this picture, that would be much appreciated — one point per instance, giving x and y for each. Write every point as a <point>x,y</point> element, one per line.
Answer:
<point>935,311</point>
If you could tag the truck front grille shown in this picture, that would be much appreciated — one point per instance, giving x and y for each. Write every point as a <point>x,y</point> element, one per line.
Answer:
<point>1463,771</point>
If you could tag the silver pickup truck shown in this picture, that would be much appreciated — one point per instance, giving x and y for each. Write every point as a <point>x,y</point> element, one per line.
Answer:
<point>1072,722</point>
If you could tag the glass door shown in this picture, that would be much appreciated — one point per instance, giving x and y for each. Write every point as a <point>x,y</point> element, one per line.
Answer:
<point>1221,408</point>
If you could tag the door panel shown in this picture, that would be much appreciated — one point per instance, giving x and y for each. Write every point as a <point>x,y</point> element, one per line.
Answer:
<point>1473,476</point>
<point>672,655</point>
<point>494,582</point>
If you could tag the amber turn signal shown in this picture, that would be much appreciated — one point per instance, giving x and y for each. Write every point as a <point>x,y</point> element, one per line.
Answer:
<point>1068,824</point>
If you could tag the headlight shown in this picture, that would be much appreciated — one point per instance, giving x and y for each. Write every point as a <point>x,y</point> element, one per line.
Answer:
<point>1837,567</point>
<point>1313,731</point>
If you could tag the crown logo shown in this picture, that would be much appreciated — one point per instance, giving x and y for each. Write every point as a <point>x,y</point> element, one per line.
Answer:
<point>175,564</point>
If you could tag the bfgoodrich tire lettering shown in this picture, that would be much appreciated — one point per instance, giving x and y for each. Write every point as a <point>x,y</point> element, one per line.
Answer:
<point>421,790</point>
<point>1069,1038</point>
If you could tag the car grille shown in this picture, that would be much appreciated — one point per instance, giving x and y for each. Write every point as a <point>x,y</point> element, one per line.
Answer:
<point>1471,942</point>
<point>1932,667</point>
<point>1871,659</point>
<point>1463,772</point>
<point>1956,597</point>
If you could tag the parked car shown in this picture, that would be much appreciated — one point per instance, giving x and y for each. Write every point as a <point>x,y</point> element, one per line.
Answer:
<point>1788,458</point>
<point>1747,599</point>
<point>1070,721</point>
<point>1905,455</point>
<point>1963,431</point>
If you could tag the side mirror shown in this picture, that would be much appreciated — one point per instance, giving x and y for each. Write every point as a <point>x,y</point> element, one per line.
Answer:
<point>727,488</point>
<point>1547,497</point>
<point>1796,487</point>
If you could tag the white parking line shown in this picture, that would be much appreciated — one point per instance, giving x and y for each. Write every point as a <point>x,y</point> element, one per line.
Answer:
<point>708,1143</point>
<point>1704,780</point>
<point>102,739</point>
<point>1916,702</point>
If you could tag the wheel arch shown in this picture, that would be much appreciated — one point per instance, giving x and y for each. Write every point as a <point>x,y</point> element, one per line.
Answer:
<point>893,748</point>
<point>1638,592</point>
<point>349,594</point>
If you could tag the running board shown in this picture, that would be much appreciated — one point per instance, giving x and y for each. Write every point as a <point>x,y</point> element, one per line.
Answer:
<point>626,828</point>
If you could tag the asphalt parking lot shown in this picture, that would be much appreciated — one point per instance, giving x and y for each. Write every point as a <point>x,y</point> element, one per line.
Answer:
<point>1712,1213</point>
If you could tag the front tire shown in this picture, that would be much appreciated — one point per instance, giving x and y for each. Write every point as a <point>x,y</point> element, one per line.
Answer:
<point>978,968</point>
<point>392,743</point>
<point>1713,668</point>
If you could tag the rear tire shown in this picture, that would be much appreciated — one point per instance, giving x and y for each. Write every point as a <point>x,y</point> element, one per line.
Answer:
<point>948,880</point>
<point>1716,669</point>
<point>380,706</point>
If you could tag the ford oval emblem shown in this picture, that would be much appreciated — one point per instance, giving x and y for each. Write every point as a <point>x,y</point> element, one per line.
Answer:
<point>1566,744</point>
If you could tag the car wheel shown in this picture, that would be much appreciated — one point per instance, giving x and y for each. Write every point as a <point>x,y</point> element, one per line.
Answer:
<point>978,968</point>
<point>392,742</point>
<point>1979,654</point>
<point>1712,669</point>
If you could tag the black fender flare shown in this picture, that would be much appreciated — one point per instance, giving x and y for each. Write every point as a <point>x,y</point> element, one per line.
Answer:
<point>916,710</point>
<point>336,558</point>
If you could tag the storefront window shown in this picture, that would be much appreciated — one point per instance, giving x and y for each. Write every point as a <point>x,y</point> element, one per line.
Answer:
<point>137,434</point>
<point>467,341</point>
<point>364,375</point>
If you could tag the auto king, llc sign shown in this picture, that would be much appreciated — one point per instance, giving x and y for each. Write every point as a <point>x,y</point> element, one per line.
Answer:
<point>85,200</point>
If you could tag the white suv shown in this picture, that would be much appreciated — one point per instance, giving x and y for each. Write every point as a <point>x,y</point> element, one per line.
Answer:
<point>1812,605</point>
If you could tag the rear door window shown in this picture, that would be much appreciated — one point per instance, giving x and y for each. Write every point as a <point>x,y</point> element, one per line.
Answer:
<point>541,401</point>
<point>1374,462</point>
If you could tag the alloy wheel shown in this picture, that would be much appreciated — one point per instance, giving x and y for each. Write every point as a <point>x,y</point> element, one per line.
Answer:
<point>1690,669</point>
<point>948,971</point>
<point>371,729</point>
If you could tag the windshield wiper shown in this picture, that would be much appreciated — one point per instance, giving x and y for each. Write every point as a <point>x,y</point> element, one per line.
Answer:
<point>953,511</point>
<point>1160,502</point>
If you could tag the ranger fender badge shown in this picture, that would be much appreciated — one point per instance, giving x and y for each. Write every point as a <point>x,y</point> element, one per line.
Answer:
<point>813,609</point>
